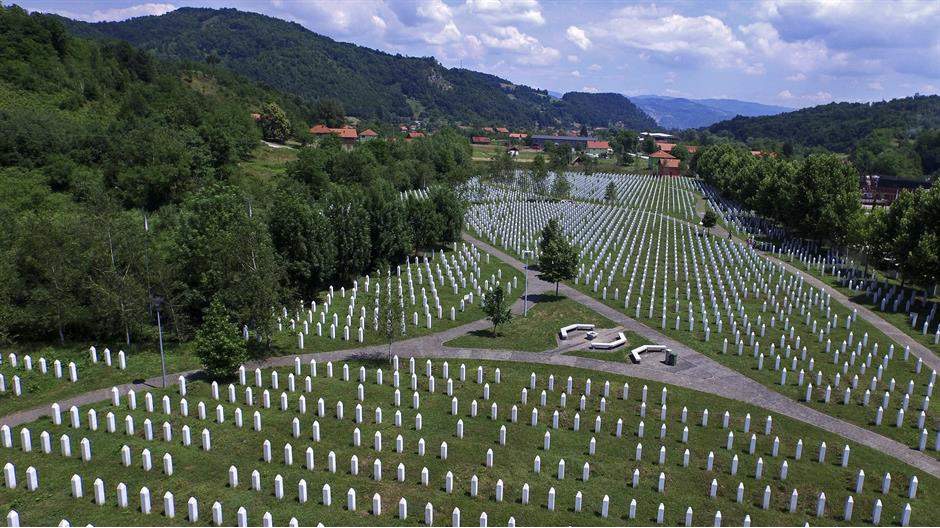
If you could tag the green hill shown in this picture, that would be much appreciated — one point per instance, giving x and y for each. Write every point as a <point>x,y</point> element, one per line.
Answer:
<point>370,84</point>
<point>837,126</point>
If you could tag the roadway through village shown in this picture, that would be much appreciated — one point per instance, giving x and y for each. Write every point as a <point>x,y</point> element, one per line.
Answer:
<point>694,370</point>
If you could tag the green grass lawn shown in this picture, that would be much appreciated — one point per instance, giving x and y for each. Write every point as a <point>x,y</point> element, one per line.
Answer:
<point>204,474</point>
<point>538,331</point>
<point>619,355</point>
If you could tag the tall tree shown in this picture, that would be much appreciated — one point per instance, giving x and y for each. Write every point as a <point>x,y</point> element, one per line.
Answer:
<point>345,210</point>
<point>219,344</point>
<point>558,258</point>
<point>275,126</point>
<point>496,307</point>
<point>539,171</point>
<point>303,239</point>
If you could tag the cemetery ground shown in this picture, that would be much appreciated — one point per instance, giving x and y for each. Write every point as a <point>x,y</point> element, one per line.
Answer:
<point>900,319</point>
<point>664,272</point>
<point>598,438</point>
<point>539,330</point>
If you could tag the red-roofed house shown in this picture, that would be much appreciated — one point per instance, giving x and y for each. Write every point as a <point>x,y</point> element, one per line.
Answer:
<point>367,135</point>
<point>414,135</point>
<point>669,167</point>
<point>597,148</point>
<point>480,140</point>
<point>692,149</point>
<point>661,154</point>
<point>502,130</point>
<point>320,130</point>
<point>488,130</point>
<point>666,147</point>
<point>518,135</point>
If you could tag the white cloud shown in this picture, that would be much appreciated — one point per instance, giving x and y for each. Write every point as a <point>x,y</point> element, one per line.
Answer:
<point>507,11</point>
<point>806,98</point>
<point>875,85</point>
<point>527,48</point>
<point>121,13</point>
<point>573,58</point>
<point>797,77</point>
<point>595,67</point>
<point>578,37</point>
<point>449,33</point>
<point>589,89</point>
<point>379,22</point>
<point>575,73</point>
<point>435,10</point>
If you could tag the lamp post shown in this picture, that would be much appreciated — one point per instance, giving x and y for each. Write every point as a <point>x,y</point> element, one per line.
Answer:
<point>525,292</point>
<point>157,301</point>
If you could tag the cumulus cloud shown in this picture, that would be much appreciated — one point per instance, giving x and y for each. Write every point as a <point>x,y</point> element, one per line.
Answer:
<point>805,98</point>
<point>507,11</point>
<point>527,48</point>
<point>121,13</point>
<point>578,37</point>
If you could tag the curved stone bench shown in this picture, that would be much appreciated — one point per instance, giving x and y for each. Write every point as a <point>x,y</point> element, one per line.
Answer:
<point>621,340</point>
<point>635,353</point>
<point>574,328</point>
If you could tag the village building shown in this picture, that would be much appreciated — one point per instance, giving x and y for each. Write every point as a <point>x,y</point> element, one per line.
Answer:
<point>480,140</point>
<point>367,135</point>
<point>598,149</point>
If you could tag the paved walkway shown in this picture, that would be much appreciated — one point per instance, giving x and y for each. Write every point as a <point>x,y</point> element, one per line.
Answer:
<point>694,371</point>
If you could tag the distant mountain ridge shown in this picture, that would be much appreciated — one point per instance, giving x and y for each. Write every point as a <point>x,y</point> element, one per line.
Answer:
<point>682,113</point>
<point>371,84</point>
<point>837,126</point>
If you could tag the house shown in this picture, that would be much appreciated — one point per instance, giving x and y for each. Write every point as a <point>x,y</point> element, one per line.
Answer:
<point>367,135</point>
<point>414,135</point>
<point>321,130</point>
<point>598,148</point>
<point>488,130</point>
<point>572,141</point>
<point>665,147</point>
<point>660,154</point>
<point>884,190</point>
<point>762,154</point>
<point>669,166</point>
<point>691,149</point>
<point>480,140</point>
<point>518,135</point>
<point>502,130</point>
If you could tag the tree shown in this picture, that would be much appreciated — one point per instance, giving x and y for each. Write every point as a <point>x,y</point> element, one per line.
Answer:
<point>610,194</point>
<point>561,188</point>
<point>709,219</point>
<point>218,343</point>
<point>496,307</point>
<point>539,174</point>
<point>451,210</point>
<point>275,126</point>
<point>828,199</point>
<point>649,146</point>
<point>345,209</point>
<point>303,239</point>
<point>624,143</point>
<point>558,258</point>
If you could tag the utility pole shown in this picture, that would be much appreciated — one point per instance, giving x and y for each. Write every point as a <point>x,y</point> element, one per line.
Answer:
<point>525,292</point>
<point>157,301</point>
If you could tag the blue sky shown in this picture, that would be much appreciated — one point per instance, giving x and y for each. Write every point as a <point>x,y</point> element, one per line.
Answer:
<point>792,53</point>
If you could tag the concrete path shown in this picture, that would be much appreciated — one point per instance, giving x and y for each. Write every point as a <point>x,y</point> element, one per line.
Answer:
<point>694,371</point>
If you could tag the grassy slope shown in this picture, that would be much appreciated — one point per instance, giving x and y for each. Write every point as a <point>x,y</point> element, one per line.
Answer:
<point>204,474</point>
<point>536,332</point>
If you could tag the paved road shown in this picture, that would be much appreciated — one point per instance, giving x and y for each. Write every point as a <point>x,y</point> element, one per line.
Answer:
<point>694,371</point>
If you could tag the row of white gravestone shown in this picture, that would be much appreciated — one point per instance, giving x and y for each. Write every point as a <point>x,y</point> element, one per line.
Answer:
<point>16,383</point>
<point>121,357</point>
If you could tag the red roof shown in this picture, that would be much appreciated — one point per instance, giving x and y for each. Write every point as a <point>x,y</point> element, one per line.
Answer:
<point>518,135</point>
<point>502,130</point>
<point>346,133</point>
<point>488,129</point>
<point>598,145</point>
<point>665,146</point>
<point>662,154</point>
<point>674,162</point>
<point>320,129</point>
<point>412,135</point>
<point>692,149</point>
<point>368,133</point>
<point>480,139</point>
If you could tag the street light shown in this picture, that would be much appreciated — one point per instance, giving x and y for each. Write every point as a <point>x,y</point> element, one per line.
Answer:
<point>525,293</point>
<point>157,301</point>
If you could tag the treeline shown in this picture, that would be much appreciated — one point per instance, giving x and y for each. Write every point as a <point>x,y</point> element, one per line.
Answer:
<point>818,198</point>
<point>893,138</point>
<point>121,194</point>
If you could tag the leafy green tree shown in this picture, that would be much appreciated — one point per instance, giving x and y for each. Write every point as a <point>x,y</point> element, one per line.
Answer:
<point>497,308</point>
<point>426,224</point>
<point>828,199</point>
<point>303,240</point>
<point>610,193</point>
<point>539,172</point>
<point>558,258</point>
<point>502,168</point>
<point>330,111</point>
<point>649,146</point>
<point>451,210</point>
<point>218,343</point>
<point>312,168</point>
<point>624,142</point>
<point>561,187</point>
<point>390,232</point>
<point>346,211</point>
<point>709,220</point>
<point>275,126</point>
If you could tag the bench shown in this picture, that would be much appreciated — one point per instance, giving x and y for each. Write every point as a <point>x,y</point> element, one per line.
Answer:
<point>621,339</point>
<point>574,328</point>
<point>635,353</point>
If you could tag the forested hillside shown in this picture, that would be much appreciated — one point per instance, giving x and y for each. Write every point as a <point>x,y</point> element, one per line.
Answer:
<point>837,126</point>
<point>121,189</point>
<point>369,83</point>
<point>604,109</point>
<point>681,113</point>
